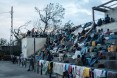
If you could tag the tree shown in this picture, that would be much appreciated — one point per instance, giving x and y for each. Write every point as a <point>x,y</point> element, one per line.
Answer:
<point>68,25</point>
<point>3,41</point>
<point>37,25</point>
<point>51,14</point>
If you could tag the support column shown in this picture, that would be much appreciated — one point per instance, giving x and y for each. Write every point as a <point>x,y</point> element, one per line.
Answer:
<point>93,15</point>
<point>11,32</point>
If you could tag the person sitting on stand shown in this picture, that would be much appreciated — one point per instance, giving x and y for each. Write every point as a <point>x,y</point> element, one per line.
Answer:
<point>108,32</point>
<point>79,61</point>
<point>107,19</point>
<point>99,23</point>
<point>112,20</point>
<point>49,57</point>
<point>28,33</point>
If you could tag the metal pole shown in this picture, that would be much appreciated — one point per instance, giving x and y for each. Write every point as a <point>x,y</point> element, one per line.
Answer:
<point>93,15</point>
<point>11,34</point>
<point>34,54</point>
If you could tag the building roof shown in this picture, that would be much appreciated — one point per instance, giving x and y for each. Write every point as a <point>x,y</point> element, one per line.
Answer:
<point>106,6</point>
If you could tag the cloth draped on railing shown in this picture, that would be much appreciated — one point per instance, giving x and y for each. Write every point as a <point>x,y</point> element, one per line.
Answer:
<point>73,71</point>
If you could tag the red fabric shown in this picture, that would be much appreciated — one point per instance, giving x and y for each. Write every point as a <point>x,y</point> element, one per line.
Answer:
<point>70,69</point>
<point>108,32</point>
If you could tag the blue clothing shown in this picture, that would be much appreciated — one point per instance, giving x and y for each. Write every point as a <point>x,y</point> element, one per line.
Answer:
<point>49,58</point>
<point>66,67</point>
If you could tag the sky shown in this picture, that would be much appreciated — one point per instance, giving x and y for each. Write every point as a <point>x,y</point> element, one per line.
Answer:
<point>78,11</point>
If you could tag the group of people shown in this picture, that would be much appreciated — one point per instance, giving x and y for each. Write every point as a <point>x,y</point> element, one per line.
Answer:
<point>100,21</point>
<point>24,62</point>
<point>34,33</point>
<point>65,42</point>
<point>106,20</point>
<point>91,43</point>
<point>14,59</point>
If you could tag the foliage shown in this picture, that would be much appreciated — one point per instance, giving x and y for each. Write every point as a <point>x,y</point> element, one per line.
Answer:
<point>68,25</point>
<point>51,15</point>
<point>3,41</point>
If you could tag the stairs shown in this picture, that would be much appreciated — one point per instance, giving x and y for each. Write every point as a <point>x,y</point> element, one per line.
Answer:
<point>111,41</point>
<point>110,62</point>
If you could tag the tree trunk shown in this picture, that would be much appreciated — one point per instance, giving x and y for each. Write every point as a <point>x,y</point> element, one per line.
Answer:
<point>46,25</point>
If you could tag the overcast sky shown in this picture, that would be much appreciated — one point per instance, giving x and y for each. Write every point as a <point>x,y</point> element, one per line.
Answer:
<point>78,11</point>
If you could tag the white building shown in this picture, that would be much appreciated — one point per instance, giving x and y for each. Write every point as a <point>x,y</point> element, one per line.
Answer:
<point>109,8</point>
<point>28,45</point>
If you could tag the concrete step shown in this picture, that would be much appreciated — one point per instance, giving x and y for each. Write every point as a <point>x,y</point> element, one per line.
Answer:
<point>90,54</point>
<point>107,55</point>
<point>110,64</point>
<point>111,55</point>
<point>111,41</point>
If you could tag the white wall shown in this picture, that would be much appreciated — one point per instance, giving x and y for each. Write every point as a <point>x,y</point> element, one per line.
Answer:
<point>24,47</point>
<point>111,26</point>
<point>112,13</point>
<point>28,45</point>
<point>79,30</point>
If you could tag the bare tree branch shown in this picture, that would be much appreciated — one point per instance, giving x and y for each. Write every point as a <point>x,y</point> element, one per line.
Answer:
<point>3,41</point>
<point>51,14</point>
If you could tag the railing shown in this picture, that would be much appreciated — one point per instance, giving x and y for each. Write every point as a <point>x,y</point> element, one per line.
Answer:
<point>39,67</point>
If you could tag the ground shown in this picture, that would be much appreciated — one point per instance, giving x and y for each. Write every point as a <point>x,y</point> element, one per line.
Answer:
<point>9,70</point>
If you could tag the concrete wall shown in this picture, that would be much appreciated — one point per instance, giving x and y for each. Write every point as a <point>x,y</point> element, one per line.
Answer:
<point>24,47</point>
<point>28,45</point>
<point>113,13</point>
<point>111,26</point>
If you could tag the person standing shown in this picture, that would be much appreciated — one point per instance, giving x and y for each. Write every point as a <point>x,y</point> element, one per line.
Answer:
<point>49,57</point>
<point>79,61</point>
<point>31,64</point>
